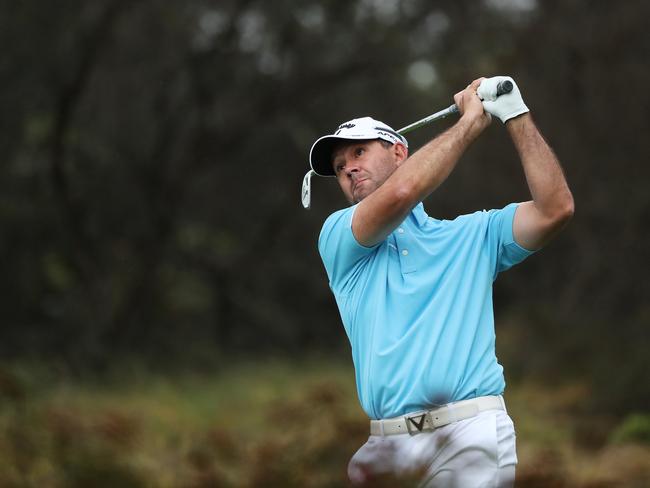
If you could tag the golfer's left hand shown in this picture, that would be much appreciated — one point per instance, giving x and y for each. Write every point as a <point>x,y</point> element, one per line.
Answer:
<point>506,106</point>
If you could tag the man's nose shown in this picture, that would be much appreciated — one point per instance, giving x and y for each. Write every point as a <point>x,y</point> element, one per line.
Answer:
<point>351,168</point>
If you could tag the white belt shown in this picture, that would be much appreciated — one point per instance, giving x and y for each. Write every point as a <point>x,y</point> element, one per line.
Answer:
<point>428,420</point>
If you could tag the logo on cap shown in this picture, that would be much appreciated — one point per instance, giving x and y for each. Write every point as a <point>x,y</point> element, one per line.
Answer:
<point>344,126</point>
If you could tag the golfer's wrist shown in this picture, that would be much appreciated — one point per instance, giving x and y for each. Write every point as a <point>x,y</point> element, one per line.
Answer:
<point>472,124</point>
<point>517,124</point>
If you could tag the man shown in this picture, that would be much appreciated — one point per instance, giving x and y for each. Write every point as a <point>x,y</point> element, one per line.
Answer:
<point>415,293</point>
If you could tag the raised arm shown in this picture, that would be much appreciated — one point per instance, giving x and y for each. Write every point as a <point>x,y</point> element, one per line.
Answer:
<point>536,222</point>
<point>382,211</point>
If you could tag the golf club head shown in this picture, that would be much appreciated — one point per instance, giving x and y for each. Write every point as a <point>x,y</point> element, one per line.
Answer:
<point>306,189</point>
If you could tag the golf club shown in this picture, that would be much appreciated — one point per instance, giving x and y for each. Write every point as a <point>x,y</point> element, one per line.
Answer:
<point>502,88</point>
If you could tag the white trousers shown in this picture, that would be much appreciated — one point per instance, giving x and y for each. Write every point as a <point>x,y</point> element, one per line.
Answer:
<point>476,452</point>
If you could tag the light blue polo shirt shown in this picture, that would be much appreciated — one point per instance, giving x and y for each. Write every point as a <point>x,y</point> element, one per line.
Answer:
<point>417,307</point>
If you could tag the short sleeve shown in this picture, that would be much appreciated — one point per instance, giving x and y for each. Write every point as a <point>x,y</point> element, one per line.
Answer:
<point>507,251</point>
<point>344,258</point>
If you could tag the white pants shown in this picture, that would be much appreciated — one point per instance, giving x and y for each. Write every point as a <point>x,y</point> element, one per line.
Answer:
<point>476,452</point>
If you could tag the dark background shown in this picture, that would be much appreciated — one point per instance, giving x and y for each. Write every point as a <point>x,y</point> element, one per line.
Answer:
<point>152,154</point>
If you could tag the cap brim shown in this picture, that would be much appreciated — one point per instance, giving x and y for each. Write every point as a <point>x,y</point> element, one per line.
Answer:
<point>320,156</point>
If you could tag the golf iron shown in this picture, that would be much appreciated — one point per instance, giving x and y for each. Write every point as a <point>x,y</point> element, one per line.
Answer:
<point>502,88</point>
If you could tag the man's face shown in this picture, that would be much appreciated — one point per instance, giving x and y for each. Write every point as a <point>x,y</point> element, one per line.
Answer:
<point>363,166</point>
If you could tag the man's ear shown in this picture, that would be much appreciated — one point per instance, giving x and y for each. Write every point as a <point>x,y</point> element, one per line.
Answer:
<point>401,153</point>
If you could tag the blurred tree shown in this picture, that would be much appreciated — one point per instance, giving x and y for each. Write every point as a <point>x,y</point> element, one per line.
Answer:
<point>152,154</point>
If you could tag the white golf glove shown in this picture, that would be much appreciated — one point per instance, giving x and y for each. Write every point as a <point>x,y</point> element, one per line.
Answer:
<point>504,106</point>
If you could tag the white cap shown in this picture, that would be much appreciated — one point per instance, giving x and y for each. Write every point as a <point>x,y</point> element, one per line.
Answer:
<point>320,156</point>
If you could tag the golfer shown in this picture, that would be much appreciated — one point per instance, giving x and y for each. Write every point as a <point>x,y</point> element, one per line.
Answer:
<point>415,292</point>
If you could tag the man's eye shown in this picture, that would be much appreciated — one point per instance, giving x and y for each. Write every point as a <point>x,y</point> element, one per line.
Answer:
<point>358,151</point>
<point>339,168</point>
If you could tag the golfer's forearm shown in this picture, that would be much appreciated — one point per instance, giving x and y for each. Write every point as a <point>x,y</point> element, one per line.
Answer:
<point>383,210</point>
<point>546,181</point>
<point>427,168</point>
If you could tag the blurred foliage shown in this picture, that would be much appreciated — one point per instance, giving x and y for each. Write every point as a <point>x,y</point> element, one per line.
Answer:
<point>153,152</point>
<point>635,428</point>
<point>289,424</point>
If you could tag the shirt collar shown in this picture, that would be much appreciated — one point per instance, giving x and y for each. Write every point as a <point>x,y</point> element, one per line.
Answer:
<point>420,215</point>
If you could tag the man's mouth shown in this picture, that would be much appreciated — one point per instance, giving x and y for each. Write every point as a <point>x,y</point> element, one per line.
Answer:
<point>357,183</point>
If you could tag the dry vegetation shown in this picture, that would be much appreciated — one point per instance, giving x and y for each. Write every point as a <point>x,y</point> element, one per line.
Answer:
<point>270,425</point>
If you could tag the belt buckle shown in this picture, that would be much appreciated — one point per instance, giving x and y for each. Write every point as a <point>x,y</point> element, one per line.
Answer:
<point>416,423</point>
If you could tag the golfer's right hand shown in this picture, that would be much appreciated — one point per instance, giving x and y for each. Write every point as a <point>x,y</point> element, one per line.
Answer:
<point>470,106</point>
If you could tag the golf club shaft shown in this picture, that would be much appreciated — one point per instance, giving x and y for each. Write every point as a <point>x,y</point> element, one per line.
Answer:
<point>502,88</point>
<point>452,109</point>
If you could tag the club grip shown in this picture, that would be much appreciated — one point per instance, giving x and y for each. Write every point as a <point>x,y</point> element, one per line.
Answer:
<point>504,87</point>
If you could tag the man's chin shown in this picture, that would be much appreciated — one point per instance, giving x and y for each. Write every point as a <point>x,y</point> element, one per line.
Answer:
<point>357,198</point>
<point>360,195</point>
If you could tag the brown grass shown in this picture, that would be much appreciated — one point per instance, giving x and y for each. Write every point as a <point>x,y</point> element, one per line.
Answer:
<point>284,425</point>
